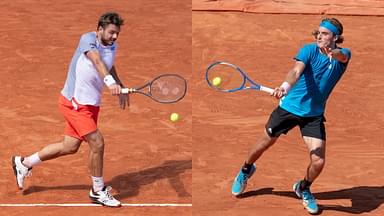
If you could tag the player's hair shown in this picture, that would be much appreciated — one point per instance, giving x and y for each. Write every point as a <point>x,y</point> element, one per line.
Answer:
<point>110,18</point>
<point>337,24</point>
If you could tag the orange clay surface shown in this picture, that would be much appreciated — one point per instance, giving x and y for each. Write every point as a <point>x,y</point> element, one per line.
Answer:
<point>225,125</point>
<point>147,159</point>
<point>347,7</point>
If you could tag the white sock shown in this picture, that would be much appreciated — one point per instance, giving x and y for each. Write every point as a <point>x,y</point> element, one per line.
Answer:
<point>98,183</point>
<point>32,160</point>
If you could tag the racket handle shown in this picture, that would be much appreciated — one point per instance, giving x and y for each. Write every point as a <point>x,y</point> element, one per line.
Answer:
<point>127,90</point>
<point>266,89</point>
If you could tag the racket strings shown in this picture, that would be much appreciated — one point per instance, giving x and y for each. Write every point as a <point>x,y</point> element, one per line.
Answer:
<point>230,78</point>
<point>167,89</point>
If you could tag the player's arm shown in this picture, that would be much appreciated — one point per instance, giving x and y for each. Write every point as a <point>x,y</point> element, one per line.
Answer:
<point>123,98</point>
<point>113,72</point>
<point>335,54</point>
<point>95,58</point>
<point>339,56</point>
<point>290,80</point>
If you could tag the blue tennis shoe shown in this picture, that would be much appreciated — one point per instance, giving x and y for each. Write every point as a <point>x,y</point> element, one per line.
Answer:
<point>240,182</point>
<point>309,201</point>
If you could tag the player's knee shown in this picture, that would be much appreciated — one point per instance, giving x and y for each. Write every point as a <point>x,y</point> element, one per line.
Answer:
<point>98,146</point>
<point>72,149</point>
<point>70,146</point>
<point>96,141</point>
<point>318,163</point>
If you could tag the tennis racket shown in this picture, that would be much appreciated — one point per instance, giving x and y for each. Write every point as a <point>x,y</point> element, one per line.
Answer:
<point>227,77</point>
<point>166,88</point>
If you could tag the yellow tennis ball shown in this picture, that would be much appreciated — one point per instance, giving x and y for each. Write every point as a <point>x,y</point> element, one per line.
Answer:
<point>216,81</point>
<point>174,117</point>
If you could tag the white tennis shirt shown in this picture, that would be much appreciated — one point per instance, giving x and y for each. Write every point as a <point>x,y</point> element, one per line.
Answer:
<point>83,82</point>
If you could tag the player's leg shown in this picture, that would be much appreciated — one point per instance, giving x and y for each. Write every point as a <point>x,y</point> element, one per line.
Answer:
<point>22,166</point>
<point>264,142</point>
<point>96,153</point>
<point>99,192</point>
<point>314,137</point>
<point>280,121</point>
<point>70,145</point>
<point>248,168</point>
<point>316,148</point>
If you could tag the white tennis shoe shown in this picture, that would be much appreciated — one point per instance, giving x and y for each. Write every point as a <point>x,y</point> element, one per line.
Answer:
<point>104,197</point>
<point>20,171</point>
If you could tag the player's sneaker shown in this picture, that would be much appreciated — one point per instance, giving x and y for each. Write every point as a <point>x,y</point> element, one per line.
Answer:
<point>240,181</point>
<point>309,201</point>
<point>104,197</point>
<point>20,171</point>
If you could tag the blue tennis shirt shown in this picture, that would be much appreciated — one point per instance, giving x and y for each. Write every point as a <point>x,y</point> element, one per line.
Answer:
<point>309,95</point>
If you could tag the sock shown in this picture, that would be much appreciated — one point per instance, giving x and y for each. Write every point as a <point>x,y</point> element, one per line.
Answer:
<point>246,168</point>
<point>305,184</point>
<point>32,160</point>
<point>98,183</point>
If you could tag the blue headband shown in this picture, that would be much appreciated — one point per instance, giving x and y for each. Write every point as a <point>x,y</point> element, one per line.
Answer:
<point>328,25</point>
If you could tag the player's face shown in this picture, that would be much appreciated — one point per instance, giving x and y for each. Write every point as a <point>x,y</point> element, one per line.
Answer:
<point>109,34</point>
<point>324,37</point>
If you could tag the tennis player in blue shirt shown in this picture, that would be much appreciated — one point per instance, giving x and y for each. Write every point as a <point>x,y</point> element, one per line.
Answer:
<point>303,96</point>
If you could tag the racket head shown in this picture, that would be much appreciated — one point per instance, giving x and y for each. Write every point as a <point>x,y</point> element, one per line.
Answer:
<point>232,77</point>
<point>168,88</point>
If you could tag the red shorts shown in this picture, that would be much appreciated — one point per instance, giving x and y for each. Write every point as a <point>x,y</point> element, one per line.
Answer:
<point>80,120</point>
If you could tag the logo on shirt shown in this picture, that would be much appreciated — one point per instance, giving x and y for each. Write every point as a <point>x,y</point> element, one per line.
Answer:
<point>93,45</point>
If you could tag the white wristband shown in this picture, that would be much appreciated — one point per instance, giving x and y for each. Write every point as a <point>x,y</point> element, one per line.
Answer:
<point>286,86</point>
<point>108,80</point>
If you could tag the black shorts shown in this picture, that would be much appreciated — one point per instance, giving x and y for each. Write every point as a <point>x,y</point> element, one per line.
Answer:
<point>282,121</point>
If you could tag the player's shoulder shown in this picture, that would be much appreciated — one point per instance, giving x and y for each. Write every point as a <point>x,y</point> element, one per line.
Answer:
<point>89,36</point>
<point>310,46</point>
<point>345,51</point>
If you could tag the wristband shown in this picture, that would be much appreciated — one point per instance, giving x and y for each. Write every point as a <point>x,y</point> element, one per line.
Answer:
<point>286,86</point>
<point>108,80</point>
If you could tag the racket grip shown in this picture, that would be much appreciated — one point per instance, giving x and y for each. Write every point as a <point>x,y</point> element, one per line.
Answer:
<point>266,89</point>
<point>127,90</point>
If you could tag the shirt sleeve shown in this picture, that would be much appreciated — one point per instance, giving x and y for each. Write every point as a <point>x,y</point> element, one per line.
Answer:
<point>87,43</point>
<point>346,52</point>
<point>304,55</point>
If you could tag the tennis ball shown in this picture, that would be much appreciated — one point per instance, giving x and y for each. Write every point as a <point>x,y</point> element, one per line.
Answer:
<point>216,81</point>
<point>174,117</point>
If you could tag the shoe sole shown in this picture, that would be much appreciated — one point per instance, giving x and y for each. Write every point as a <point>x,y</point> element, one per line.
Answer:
<point>311,212</point>
<point>15,172</point>
<point>95,201</point>
<point>237,194</point>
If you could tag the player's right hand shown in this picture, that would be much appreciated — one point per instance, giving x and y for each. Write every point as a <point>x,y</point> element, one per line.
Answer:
<point>279,92</point>
<point>114,89</point>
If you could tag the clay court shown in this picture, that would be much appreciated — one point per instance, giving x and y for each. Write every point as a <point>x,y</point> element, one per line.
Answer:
<point>148,159</point>
<point>225,125</point>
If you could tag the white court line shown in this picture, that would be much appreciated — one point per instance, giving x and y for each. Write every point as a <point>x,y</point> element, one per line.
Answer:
<point>89,204</point>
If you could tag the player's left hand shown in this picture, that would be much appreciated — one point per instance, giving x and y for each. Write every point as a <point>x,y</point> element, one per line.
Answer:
<point>327,51</point>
